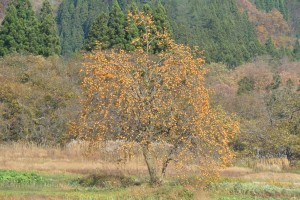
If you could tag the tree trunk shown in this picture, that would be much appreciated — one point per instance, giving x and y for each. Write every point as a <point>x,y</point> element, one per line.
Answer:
<point>164,168</point>
<point>155,178</point>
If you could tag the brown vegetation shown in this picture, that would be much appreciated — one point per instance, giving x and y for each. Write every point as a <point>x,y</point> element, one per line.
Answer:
<point>267,25</point>
<point>267,110</point>
<point>38,97</point>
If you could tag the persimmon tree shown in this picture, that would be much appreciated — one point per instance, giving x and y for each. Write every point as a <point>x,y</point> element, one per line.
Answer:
<point>151,99</point>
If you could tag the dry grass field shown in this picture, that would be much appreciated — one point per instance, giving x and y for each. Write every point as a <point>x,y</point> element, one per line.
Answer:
<point>75,158</point>
<point>71,172</point>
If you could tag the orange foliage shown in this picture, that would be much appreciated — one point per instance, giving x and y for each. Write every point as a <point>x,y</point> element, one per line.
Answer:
<point>146,99</point>
<point>267,25</point>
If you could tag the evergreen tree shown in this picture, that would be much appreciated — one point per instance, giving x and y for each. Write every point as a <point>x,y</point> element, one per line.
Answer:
<point>74,21</point>
<point>147,9</point>
<point>49,40</point>
<point>116,25</point>
<point>99,33</point>
<point>20,31</point>
<point>270,48</point>
<point>11,35</point>
<point>64,20</point>
<point>269,5</point>
<point>162,25</point>
<point>296,50</point>
<point>132,31</point>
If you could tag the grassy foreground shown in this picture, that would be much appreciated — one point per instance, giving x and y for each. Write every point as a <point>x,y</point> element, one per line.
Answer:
<point>41,185</point>
<point>32,172</point>
<point>45,185</point>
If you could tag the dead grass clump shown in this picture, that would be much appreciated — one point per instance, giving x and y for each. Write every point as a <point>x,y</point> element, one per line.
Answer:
<point>272,164</point>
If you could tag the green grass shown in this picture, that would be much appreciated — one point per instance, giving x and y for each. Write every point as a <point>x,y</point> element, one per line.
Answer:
<point>29,185</point>
<point>234,189</point>
<point>72,186</point>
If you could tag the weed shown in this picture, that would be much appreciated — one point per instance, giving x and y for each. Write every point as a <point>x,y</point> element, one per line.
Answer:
<point>11,177</point>
<point>254,189</point>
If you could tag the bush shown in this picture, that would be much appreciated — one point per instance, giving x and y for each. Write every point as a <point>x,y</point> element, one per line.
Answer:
<point>107,181</point>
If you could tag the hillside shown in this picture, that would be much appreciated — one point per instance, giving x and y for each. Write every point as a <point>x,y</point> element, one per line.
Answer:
<point>294,19</point>
<point>37,98</point>
<point>231,32</point>
<point>268,24</point>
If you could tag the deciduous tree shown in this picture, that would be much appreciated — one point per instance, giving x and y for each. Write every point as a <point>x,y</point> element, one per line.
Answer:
<point>147,99</point>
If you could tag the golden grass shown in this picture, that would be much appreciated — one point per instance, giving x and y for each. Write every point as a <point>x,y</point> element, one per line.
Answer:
<point>113,158</point>
<point>272,164</point>
<point>236,171</point>
<point>273,176</point>
<point>74,159</point>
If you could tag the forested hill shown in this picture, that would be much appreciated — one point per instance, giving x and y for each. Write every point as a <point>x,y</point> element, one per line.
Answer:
<point>231,31</point>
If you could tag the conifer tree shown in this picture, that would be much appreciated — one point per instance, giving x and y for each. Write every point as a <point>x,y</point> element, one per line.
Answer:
<point>296,50</point>
<point>64,21</point>
<point>161,19</point>
<point>99,33</point>
<point>20,31</point>
<point>132,30</point>
<point>11,34</point>
<point>147,9</point>
<point>75,19</point>
<point>162,25</point>
<point>116,24</point>
<point>270,48</point>
<point>49,40</point>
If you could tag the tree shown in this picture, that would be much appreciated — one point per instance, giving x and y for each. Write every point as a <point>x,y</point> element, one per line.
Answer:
<point>246,85</point>
<point>116,25</point>
<point>144,98</point>
<point>99,32</point>
<point>74,20</point>
<point>270,48</point>
<point>19,31</point>
<point>162,25</point>
<point>132,30</point>
<point>49,40</point>
<point>296,50</point>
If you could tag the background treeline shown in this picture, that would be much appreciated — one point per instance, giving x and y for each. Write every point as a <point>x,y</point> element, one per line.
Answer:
<point>81,26</point>
<point>231,32</point>
<point>226,34</point>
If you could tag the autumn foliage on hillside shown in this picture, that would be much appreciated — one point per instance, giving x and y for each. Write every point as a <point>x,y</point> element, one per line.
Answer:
<point>271,24</point>
<point>266,97</point>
